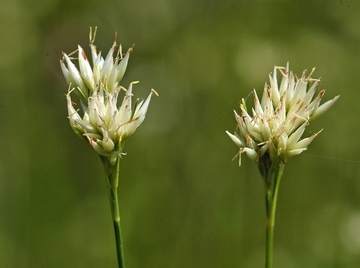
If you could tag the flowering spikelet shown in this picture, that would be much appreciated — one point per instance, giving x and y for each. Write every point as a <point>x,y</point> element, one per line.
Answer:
<point>273,130</point>
<point>103,124</point>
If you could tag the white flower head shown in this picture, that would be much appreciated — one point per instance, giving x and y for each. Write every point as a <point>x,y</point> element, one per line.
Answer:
<point>272,130</point>
<point>105,125</point>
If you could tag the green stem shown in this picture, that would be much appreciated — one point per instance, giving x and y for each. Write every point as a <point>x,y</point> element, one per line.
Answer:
<point>113,174</point>
<point>272,189</point>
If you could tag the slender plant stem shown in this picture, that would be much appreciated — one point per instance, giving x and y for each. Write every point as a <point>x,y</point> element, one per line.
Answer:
<point>113,174</point>
<point>272,189</point>
<point>116,221</point>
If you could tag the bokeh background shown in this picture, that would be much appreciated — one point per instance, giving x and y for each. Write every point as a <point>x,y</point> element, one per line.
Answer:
<point>183,202</point>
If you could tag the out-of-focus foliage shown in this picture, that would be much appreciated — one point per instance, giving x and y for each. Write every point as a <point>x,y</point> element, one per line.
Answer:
<point>183,202</point>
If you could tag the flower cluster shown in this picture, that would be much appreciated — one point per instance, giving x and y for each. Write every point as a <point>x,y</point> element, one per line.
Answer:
<point>277,122</point>
<point>103,124</point>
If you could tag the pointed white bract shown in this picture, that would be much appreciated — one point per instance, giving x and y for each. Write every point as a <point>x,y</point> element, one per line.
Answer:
<point>277,122</point>
<point>105,125</point>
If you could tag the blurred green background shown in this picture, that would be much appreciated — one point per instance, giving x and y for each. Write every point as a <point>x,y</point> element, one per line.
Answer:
<point>183,202</point>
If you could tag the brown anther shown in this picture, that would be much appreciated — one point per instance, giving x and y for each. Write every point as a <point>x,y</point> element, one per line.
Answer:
<point>84,55</point>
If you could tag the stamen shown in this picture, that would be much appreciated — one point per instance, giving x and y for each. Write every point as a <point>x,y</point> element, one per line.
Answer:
<point>71,53</point>
<point>153,90</point>
<point>92,35</point>
<point>312,71</point>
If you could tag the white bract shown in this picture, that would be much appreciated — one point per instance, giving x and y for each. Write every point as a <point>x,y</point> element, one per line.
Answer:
<point>105,125</point>
<point>277,122</point>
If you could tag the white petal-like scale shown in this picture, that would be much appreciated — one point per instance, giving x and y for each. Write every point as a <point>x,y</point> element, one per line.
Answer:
<point>85,69</point>
<point>252,154</point>
<point>294,152</point>
<point>295,136</point>
<point>235,139</point>
<point>123,64</point>
<point>142,108</point>
<point>107,143</point>
<point>97,147</point>
<point>304,142</point>
<point>324,107</point>
<point>65,72</point>
<point>75,77</point>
